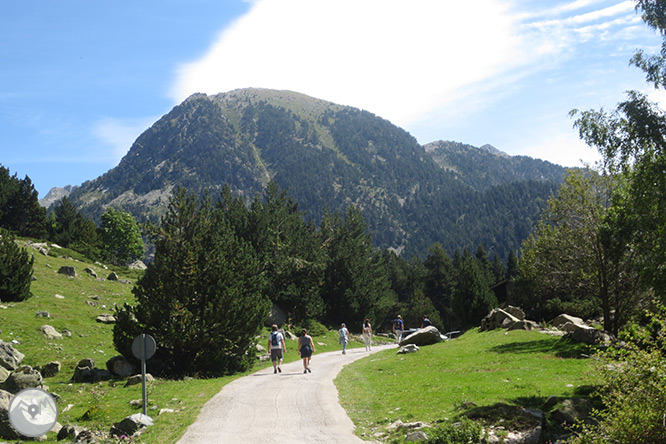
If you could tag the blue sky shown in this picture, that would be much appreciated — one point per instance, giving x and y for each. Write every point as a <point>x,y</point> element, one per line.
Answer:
<point>80,80</point>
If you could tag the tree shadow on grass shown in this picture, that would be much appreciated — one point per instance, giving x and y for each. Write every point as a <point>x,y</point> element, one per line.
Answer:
<point>562,348</point>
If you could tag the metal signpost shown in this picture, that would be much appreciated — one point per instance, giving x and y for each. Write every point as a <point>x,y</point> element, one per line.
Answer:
<point>143,347</point>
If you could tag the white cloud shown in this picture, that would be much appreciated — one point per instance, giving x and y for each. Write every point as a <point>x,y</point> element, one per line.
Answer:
<point>118,135</point>
<point>394,58</point>
<point>562,148</point>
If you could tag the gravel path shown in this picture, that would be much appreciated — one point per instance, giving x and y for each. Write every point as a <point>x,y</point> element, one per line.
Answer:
<point>284,408</point>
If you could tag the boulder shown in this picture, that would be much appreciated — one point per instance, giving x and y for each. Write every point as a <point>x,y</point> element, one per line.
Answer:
<point>86,362</point>
<point>6,429</point>
<point>113,276</point>
<point>120,366</point>
<point>10,358</point>
<point>515,312</point>
<point>22,378</point>
<point>42,314</point>
<point>83,374</point>
<point>524,325</point>
<point>106,319</point>
<point>409,348</point>
<point>572,410</point>
<point>497,318</point>
<point>4,374</point>
<point>91,272</point>
<point>423,336</point>
<point>137,265</point>
<point>51,369</point>
<point>136,379</point>
<point>101,375</point>
<point>67,271</point>
<point>416,436</point>
<point>70,432</point>
<point>562,319</point>
<point>50,333</point>
<point>131,425</point>
<point>589,335</point>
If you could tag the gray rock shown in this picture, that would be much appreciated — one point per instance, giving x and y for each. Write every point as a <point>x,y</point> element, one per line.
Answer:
<point>136,379</point>
<point>101,375</point>
<point>524,325</point>
<point>50,333</point>
<point>91,272</point>
<point>562,319</point>
<point>10,358</point>
<point>120,366</point>
<point>69,432</point>
<point>497,318</point>
<point>106,319</point>
<point>423,336</point>
<point>83,374</point>
<point>572,410</point>
<point>589,335</point>
<point>416,436</point>
<point>67,271</point>
<point>22,378</point>
<point>137,265</point>
<point>409,348</point>
<point>4,374</point>
<point>51,369</point>
<point>113,276</point>
<point>6,429</point>
<point>86,362</point>
<point>42,314</point>
<point>131,425</point>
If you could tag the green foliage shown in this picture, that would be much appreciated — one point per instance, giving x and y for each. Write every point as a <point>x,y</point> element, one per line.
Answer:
<point>71,229</point>
<point>464,432</point>
<point>472,298</point>
<point>201,298</point>
<point>355,284</point>
<point>575,262</point>
<point>15,269</point>
<point>20,211</point>
<point>633,392</point>
<point>121,237</point>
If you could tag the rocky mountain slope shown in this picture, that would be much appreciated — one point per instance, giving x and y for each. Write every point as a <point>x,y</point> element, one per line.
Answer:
<point>329,156</point>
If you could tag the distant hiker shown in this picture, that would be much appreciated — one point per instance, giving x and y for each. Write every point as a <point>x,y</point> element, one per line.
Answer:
<point>276,345</point>
<point>344,338</point>
<point>367,335</point>
<point>425,322</point>
<point>398,328</point>
<point>305,349</point>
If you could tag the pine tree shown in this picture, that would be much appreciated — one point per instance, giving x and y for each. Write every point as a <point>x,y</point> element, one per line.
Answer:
<point>15,269</point>
<point>472,297</point>
<point>202,298</point>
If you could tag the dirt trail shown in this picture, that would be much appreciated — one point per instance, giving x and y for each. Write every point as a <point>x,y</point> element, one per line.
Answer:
<point>284,408</point>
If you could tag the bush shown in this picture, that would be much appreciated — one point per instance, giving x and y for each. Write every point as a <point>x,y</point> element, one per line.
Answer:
<point>15,269</point>
<point>633,392</point>
<point>465,432</point>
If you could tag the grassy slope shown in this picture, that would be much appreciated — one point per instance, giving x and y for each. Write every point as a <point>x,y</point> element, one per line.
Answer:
<point>517,368</point>
<point>107,402</point>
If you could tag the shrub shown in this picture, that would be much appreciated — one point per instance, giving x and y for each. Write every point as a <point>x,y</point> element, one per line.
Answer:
<point>15,269</point>
<point>465,432</point>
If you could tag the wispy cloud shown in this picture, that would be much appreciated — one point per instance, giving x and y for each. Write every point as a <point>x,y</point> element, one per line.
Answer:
<point>117,135</point>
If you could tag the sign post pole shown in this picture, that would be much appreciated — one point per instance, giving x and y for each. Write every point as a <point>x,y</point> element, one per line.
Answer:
<point>143,347</point>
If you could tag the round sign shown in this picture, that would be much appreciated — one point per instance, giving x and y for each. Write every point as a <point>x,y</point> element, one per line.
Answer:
<point>33,412</point>
<point>144,346</point>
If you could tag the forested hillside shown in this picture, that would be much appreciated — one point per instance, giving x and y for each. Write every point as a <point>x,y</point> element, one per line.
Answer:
<point>327,156</point>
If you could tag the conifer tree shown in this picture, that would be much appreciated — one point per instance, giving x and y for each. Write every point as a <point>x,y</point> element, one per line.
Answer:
<point>15,269</point>
<point>472,297</point>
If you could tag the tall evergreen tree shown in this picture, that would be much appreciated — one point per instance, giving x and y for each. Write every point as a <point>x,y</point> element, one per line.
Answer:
<point>15,269</point>
<point>356,283</point>
<point>202,298</point>
<point>472,297</point>
<point>439,282</point>
<point>20,210</point>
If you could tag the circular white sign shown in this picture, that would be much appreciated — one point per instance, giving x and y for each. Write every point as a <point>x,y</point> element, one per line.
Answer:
<point>33,412</point>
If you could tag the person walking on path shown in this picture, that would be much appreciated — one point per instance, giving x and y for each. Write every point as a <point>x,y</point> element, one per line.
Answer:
<point>344,338</point>
<point>367,335</point>
<point>398,328</point>
<point>276,345</point>
<point>305,349</point>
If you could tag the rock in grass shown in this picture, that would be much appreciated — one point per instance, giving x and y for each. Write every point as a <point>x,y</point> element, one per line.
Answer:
<point>10,358</point>
<point>50,333</point>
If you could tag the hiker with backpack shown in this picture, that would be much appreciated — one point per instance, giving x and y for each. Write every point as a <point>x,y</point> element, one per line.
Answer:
<point>276,345</point>
<point>344,338</point>
<point>398,328</point>
<point>305,349</point>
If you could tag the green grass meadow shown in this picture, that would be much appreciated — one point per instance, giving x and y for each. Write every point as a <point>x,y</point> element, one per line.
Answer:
<point>441,381</point>
<point>522,368</point>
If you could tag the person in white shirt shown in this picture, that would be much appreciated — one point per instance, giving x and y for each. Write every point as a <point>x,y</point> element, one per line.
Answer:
<point>276,345</point>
